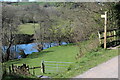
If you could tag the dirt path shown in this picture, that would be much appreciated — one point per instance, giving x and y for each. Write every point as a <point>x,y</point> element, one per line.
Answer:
<point>108,69</point>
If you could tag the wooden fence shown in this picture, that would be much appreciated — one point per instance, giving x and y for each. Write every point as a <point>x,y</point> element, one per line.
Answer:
<point>45,67</point>
<point>112,37</point>
<point>24,69</point>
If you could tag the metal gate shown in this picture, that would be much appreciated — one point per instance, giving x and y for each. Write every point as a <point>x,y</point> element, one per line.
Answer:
<point>54,66</point>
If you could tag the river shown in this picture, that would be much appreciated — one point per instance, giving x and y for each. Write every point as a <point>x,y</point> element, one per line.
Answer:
<point>28,48</point>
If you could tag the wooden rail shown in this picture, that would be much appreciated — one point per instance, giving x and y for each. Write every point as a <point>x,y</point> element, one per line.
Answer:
<point>109,30</point>
<point>35,67</point>
<point>112,36</point>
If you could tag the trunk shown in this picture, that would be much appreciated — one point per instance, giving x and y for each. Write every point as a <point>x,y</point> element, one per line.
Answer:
<point>42,46</point>
<point>59,43</point>
<point>24,55</point>
<point>67,42</point>
<point>8,52</point>
<point>15,52</point>
<point>50,45</point>
<point>70,41</point>
<point>9,46</point>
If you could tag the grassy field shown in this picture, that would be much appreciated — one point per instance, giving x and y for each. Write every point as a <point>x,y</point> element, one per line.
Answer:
<point>27,28</point>
<point>67,53</point>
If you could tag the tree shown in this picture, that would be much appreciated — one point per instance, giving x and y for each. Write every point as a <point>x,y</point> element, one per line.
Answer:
<point>22,53</point>
<point>9,23</point>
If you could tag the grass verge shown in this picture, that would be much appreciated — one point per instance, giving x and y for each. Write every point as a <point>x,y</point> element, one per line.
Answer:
<point>87,62</point>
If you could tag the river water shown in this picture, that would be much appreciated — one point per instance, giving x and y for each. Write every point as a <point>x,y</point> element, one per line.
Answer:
<point>28,48</point>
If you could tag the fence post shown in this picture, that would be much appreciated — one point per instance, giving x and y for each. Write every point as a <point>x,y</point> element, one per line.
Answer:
<point>42,67</point>
<point>33,71</point>
<point>110,34</point>
<point>13,68</point>
<point>4,69</point>
<point>114,37</point>
<point>28,68</point>
<point>99,37</point>
<point>10,69</point>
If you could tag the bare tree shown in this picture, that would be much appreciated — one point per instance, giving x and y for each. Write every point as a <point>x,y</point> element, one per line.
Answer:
<point>10,23</point>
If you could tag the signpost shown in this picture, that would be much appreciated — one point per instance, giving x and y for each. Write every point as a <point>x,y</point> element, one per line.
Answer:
<point>105,27</point>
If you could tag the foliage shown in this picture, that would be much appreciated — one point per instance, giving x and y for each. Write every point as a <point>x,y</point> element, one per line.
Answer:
<point>73,22</point>
<point>87,46</point>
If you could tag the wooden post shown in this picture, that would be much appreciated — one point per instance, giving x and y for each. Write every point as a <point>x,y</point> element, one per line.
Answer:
<point>13,68</point>
<point>4,69</point>
<point>105,30</point>
<point>33,71</point>
<point>42,67</point>
<point>99,37</point>
<point>27,68</point>
<point>110,35</point>
<point>115,37</point>
<point>9,69</point>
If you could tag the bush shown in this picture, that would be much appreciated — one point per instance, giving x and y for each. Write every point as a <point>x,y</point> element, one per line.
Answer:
<point>87,46</point>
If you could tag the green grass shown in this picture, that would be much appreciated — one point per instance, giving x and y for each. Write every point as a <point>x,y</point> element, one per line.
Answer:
<point>87,62</point>
<point>67,53</point>
<point>27,28</point>
<point>59,53</point>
